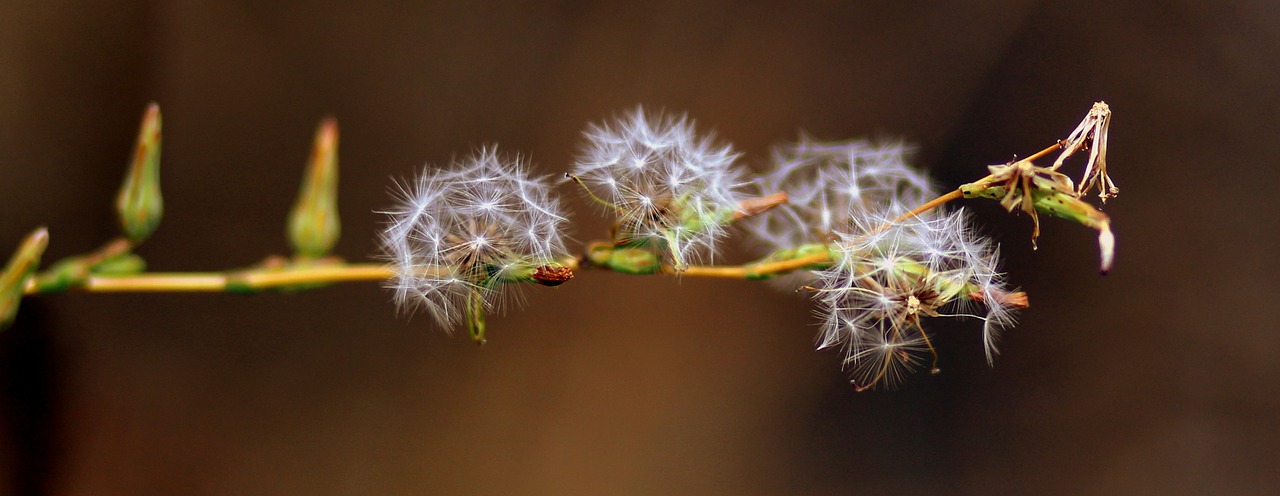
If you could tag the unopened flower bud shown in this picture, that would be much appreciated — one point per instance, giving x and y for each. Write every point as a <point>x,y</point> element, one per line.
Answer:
<point>313,224</point>
<point>139,204</point>
<point>13,281</point>
<point>637,261</point>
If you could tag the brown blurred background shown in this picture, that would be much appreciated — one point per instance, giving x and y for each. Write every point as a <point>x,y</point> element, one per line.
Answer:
<point>1161,378</point>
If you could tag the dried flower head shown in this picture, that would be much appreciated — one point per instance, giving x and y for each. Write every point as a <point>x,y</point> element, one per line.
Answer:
<point>1091,134</point>
<point>1032,189</point>
<point>670,188</point>
<point>874,298</point>
<point>457,235</point>
<point>831,183</point>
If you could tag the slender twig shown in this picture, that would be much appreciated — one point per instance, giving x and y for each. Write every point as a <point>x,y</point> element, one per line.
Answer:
<point>231,281</point>
<point>1042,153</point>
<point>756,270</point>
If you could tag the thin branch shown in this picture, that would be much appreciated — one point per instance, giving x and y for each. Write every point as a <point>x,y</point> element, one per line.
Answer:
<point>230,281</point>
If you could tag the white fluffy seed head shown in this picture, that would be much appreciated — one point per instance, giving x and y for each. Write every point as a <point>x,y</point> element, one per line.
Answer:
<point>669,186</point>
<point>874,298</point>
<point>829,184</point>
<point>468,228</point>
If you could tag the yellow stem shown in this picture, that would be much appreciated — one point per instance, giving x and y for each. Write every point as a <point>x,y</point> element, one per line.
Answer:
<point>714,271</point>
<point>1040,154</point>
<point>929,205</point>
<point>224,281</point>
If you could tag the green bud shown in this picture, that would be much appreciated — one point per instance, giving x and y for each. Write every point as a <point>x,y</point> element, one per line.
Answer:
<point>13,281</point>
<point>128,263</point>
<point>139,204</point>
<point>785,254</point>
<point>810,249</point>
<point>64,274</point>
<point>695,220</point>
<point>639,261</point>
<point>313,223</point>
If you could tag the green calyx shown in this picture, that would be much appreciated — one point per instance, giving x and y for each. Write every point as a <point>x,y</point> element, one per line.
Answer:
<point>627,260</point>
<point>786,254</point>
<point>114,258</point>
<point>682,219</point>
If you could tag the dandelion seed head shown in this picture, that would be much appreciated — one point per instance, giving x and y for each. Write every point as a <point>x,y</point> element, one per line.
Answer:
<point>667,184</point>
<point>884,283</point>
<point>462,229</point>
<point>831,183</point>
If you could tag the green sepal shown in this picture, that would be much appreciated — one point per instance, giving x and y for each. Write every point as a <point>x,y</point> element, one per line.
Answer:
<point>124,264</point>
<point>65,274</point>
<point>637,261</point>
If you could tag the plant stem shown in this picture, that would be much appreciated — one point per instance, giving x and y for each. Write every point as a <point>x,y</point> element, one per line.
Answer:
<point>752,271</point>
<point>1050,149</point>
<point>228,281</point>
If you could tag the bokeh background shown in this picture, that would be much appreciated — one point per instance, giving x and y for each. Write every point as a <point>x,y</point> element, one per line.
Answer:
<point>1163,377</point>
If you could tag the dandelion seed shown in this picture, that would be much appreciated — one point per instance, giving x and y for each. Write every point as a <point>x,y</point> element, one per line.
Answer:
<point>886,358</point>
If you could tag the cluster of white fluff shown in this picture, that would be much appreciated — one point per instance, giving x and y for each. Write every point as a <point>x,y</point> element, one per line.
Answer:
<point>886,280</point>
<point>669,187</point>
<point>829,184</point>
<point>466,229</point>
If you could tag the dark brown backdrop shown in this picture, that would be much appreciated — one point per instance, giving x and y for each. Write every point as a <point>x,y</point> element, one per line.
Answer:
<point>1162,378</point>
